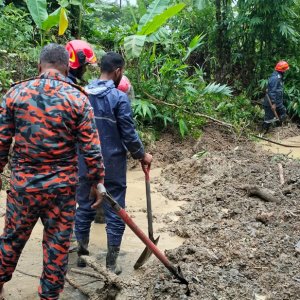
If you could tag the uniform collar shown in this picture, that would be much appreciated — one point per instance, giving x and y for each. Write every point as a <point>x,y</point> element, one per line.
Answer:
<point>72,78</point>
<point>53,74</point>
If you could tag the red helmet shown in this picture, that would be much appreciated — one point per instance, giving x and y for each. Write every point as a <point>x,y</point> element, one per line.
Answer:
<point>282,66</point>
<point>81,53</point>
<point>124,84</point>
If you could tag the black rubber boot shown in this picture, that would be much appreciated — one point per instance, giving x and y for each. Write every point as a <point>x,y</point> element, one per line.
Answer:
<point>111,259</point>
<point>82,250</point>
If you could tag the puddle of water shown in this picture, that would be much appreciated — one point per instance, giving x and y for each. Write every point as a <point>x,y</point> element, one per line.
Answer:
<point>293,152</point>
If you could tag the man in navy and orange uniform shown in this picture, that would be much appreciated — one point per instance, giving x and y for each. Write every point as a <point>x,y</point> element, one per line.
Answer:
<point>48,117</point>
<point>81,54</point>
<point>273,103</point>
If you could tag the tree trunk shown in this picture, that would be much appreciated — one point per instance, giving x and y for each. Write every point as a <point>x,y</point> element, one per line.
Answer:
<point>223,48</point>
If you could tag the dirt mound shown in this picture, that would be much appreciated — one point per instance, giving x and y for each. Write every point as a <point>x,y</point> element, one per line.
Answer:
<point>171,148</point>
<point>237,247</point>
<point>284,132</point>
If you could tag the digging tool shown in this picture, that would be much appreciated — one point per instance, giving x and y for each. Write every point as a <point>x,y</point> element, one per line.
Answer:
<point>138,232</point>
<point>147,252</point>
<point>273,109</point>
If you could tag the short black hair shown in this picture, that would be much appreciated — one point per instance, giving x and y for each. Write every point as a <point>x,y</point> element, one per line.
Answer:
<point>54,54</point>
<point>111,61</point>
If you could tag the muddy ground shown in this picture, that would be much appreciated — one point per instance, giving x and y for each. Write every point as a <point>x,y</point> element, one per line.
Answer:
<point>229,245</point>
<point>237,246</point>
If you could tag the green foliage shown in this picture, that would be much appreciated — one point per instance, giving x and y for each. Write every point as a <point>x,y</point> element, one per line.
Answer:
<point>16,30</point>
<point>156,8</point>
<point>156,16</point>
<point>51,20</point>
<point>195,43</point>
<point>217,88</point>
<point>210,58</point>
<point>17,55</point>
<point>144,109</point>
<point>159,20</point>
<point>134,45</point>
<point>38,11</point>
<point>182,127</point>
<point>239,111</point>
<point>5,79</point>
<point>200,4</point>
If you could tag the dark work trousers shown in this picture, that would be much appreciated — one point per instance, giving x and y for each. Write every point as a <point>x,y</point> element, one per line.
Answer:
<point>269,114</point>
<point>56,208</point>
<point>85,215</point>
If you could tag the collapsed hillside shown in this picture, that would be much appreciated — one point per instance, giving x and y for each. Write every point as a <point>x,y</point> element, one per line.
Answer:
<point>237,246</point>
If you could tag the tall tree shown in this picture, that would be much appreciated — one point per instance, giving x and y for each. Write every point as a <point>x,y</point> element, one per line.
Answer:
<point>223,42</point>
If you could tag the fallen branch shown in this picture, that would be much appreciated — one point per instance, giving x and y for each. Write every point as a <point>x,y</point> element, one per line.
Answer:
<point>161,102</point>
<point>91,282</point>
<point>109,277</point>
<point>113,285</point>
<point>273,142</point>
<point>86,273</point>
<point>281,177</point>
<point>262,193</point>
<point>77,286</point>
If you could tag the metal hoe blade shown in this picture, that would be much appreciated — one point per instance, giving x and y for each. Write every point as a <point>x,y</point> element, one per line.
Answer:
<point>144,256</point>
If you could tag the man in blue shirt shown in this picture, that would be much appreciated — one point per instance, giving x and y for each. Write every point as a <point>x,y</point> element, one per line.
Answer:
<point>118,135</point>
<point>273,102</point>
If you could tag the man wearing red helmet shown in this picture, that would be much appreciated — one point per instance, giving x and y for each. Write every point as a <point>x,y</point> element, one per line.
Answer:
<point>117,132</point>
<point>126,87</point>
<point>81,54</point>
<point>273,102</point>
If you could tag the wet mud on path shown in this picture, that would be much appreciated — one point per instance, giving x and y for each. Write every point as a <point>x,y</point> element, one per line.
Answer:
<point>230,244</point>
<point>293,152</point>
<point>25,280</point>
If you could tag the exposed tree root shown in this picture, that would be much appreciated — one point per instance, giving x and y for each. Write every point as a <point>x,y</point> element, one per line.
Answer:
<point>86,273</point>
<point>113,285</point>
<point>264,194</point>
<point>110,278</point>
<point>276,143</point>
<point>77,286</point>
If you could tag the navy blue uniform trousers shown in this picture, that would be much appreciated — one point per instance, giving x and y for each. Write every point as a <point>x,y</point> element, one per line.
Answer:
<point>85,214</point>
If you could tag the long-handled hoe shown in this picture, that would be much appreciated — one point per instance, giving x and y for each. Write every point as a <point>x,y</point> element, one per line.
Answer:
<point>150,245</point>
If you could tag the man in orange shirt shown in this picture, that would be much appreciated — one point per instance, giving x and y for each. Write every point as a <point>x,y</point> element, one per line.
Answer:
<point>48,117</point>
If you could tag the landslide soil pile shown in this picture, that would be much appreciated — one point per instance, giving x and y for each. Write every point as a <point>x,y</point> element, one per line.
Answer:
<point>237,246</point>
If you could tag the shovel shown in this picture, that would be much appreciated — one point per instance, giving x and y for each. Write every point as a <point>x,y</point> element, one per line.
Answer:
<point>147,252</point>
<point>273,109</point>
<point>138,232</point>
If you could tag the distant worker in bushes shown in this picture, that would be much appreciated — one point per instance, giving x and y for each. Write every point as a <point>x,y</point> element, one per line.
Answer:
<point>275,111</point>
<point>117,130</point>
<point>81,54</point>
